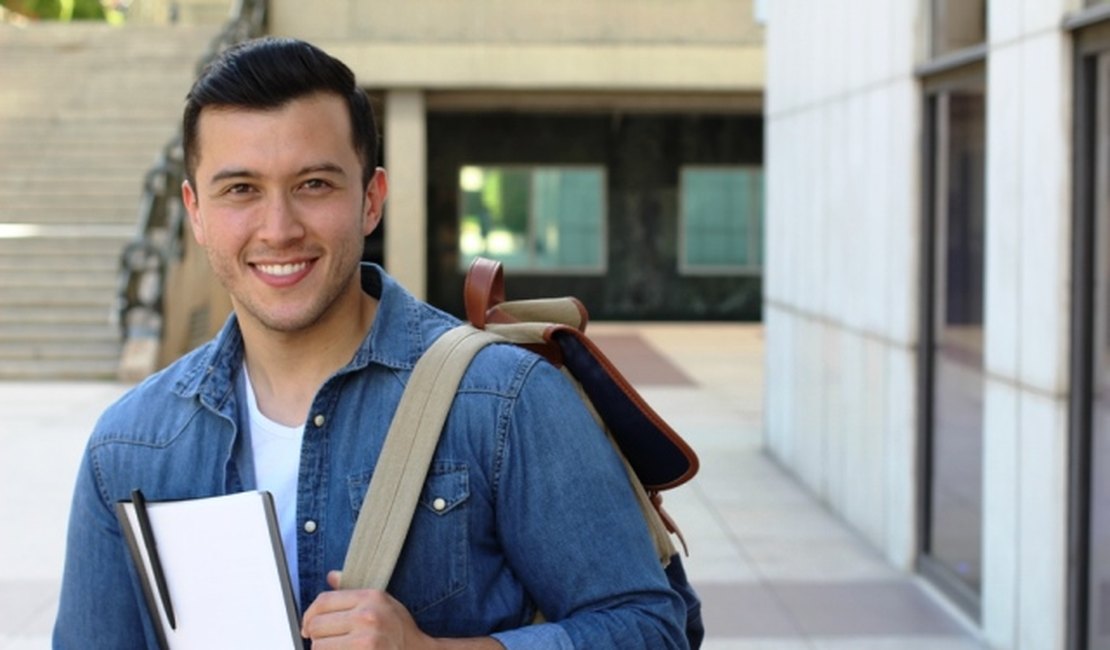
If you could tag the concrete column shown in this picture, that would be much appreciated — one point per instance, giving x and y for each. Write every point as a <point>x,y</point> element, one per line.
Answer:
<point>406,212</point>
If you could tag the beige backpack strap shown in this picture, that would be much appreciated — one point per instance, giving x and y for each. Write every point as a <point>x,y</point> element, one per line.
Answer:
<point>390,501</point>
<point>564,311</point>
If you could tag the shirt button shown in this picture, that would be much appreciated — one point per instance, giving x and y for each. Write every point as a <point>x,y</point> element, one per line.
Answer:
<point>439,504</point>
<point>318,420</point>
<point>310,526</point>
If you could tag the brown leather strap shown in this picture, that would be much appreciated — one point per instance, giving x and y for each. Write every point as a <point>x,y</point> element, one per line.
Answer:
<point>544,326</point>
<point>483,290</point>
<point>657,503</point>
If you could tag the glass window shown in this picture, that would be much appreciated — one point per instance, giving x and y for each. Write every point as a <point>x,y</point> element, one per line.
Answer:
<point>533,218</point>
<point>954,512</point>
<point>1097,122</point>
<point>722,219</point>
<point>958,24</point>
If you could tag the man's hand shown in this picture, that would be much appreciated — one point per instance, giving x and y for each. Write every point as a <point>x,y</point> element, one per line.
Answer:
<point>368,618</point>
<point>361,618</point>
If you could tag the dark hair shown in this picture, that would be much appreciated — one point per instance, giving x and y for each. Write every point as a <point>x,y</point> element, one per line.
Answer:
<point>267,73</point>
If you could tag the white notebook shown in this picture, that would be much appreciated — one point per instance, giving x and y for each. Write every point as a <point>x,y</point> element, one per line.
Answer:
<point>224,568</point>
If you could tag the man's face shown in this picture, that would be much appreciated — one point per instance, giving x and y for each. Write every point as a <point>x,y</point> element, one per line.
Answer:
<point>280,207</point>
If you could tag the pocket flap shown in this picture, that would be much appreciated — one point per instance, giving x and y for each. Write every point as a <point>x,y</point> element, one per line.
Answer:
<point>446,487</point>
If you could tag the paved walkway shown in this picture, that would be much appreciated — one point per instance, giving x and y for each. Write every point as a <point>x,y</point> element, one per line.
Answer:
<point>775,569</point>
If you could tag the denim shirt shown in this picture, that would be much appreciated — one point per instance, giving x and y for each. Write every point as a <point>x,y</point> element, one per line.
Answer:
<point>538,516</point>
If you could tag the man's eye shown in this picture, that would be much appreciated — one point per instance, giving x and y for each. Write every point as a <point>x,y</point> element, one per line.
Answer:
<point>240,188</point>
<point>316,184</point>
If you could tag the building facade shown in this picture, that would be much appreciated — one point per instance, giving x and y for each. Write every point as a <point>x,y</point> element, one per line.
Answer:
<point>603,148</point>
<point>937,294</point>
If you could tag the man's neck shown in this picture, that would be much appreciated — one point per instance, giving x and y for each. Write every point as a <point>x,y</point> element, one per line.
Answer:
<point>288,368</point>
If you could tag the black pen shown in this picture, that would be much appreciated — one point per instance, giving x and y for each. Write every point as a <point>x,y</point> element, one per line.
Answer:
<point>152,552</point>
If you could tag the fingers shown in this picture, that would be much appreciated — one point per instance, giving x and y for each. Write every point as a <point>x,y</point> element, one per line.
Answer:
<point>364,614</point>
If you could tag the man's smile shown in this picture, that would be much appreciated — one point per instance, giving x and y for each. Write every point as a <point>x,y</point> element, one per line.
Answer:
<point>281,270</point>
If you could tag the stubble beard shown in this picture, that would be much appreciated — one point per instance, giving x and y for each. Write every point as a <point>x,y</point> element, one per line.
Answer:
<point>277,318</point>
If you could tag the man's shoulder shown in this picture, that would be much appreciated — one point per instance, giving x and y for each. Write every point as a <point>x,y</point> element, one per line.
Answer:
<point>153,405</point>
<point>505,368</point>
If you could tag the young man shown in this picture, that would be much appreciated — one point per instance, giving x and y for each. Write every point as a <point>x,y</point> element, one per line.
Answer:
<point>528,508</point>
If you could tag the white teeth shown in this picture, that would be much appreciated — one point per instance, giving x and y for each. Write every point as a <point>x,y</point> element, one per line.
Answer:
<point>282,269</point>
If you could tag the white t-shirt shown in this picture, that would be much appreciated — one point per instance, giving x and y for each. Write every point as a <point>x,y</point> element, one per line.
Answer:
<point>277,462</point>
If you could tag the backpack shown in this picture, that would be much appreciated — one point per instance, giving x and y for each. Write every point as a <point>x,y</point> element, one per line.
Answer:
<point>656,458</point>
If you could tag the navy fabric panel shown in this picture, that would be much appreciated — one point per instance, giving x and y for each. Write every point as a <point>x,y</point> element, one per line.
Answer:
<point>655,459</point>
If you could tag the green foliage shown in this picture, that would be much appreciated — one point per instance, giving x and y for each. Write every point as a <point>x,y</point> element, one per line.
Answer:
<point>57,9</point>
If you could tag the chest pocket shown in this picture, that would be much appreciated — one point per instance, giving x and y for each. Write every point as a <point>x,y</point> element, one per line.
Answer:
<point>433,561</point>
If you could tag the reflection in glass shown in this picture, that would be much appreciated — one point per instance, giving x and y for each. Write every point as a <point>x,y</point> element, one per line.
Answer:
<point>1099,587</point>
<point>533,218</point>
<point>956,454</point>
<point>722,218</point>
<point>1099,594</point>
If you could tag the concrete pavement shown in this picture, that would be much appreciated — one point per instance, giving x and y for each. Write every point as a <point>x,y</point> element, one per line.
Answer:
<point>775,569</point>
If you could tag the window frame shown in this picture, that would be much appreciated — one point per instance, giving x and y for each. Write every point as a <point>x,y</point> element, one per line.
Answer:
<point>756,240</point>
<point>600,269</point>
<point>1090,15</point>
<point>1091,83</point>
<point>966,73</point>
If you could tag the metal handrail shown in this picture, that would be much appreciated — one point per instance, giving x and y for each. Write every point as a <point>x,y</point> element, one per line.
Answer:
<point>145,261</point>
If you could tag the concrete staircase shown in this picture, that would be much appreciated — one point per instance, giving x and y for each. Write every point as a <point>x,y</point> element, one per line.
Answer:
<point>85,109</point>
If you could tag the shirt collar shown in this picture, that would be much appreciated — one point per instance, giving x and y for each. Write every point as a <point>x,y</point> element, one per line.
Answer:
<point>395,340</point>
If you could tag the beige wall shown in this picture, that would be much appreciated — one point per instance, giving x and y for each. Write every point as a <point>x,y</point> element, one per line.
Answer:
<point>420,52</point>
<point>406,209</point>
<point>651,22</point>
<point>703,45</point>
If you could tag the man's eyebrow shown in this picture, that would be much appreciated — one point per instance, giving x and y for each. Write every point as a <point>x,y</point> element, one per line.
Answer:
<point>236,172</point>
<point>233,172</point>
<point>325,167</point>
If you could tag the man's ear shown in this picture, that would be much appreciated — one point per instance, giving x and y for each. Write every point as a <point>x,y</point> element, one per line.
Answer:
<point>374,201</point>
<point>189,198</point>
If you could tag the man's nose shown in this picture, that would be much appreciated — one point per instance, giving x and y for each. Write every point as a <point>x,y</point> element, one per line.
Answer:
<point>281,222</point>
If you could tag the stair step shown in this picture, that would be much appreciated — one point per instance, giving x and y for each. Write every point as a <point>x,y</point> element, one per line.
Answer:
<point>63,134</point>
<point>49,263</point>
<point>56,369</point>
<point>63,278</point>
<point>58,135</point>
<point>112,171</point>
<point>15,297</point>
<point>21,231</point>
<point>63,221</point>
<point>102,348</point>
<point>47,157</point>
<point>59,222</point>
<point>60,315</point>
<point>104,196</point>
<point>16,248</point>
<point>91,208</point>
<point>16,334</point>
<point>90,149</point>
<point>85,111</point>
